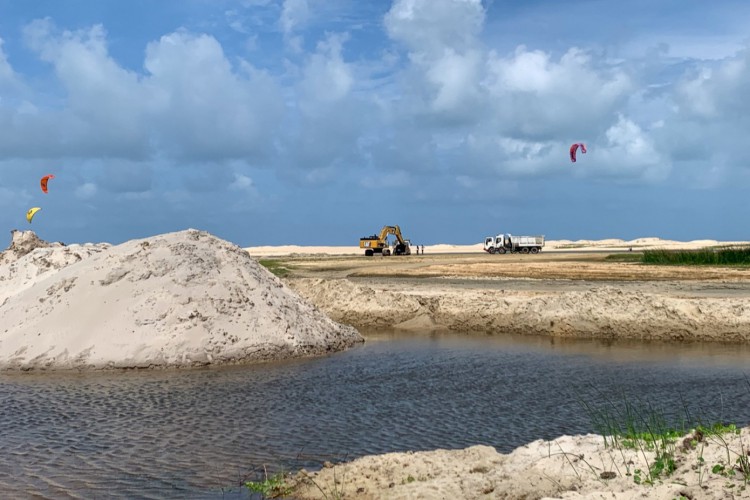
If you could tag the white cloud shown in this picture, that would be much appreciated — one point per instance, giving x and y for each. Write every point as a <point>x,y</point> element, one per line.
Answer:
<point>7,75</point>
<point>537,97</point>
<point>241,183</point>
<point>718,91</point>
<point>294,14</point>
<point>105,109</point>
<point>191,103</point>
<point>428,26</point>
<point>326,77</point>
<point>86,191</point>
<point>327,117</point>
<point>629,152</point>
<point>202,107</point>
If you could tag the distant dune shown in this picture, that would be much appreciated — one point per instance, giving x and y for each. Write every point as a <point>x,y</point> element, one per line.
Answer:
<point>581,245</point>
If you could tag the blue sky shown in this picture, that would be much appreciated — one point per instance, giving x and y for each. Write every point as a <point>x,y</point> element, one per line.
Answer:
<point>312,122</point>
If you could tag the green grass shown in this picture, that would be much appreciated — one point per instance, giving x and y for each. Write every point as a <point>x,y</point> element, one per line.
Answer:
<point>722,256</point>
<point>278,268</point>
<point>273,486</point>
<point>639,426</point>
<point>719,256</point>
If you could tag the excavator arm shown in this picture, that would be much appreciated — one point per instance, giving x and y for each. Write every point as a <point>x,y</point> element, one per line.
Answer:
<point>394,230</point>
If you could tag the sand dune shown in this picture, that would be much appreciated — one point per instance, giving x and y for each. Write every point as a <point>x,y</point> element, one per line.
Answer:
<point>578,245</point>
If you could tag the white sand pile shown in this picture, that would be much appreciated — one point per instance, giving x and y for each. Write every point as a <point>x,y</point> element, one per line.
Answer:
<point>178,299</point>
<point>577,467</point>
<point>600,312</point>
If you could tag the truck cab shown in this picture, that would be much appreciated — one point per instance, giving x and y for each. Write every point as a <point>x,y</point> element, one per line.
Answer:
<point>496,244</point>
<point>509,243</point>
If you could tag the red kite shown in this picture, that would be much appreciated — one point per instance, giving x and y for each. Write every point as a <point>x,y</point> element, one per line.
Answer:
<point>44,181</point>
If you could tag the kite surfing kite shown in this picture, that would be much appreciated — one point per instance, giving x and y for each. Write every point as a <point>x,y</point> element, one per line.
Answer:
<point>31,212</point>
<point>574,148</point>
<point>44,181</point>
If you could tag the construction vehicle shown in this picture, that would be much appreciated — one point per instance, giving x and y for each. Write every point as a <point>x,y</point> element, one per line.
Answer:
<point>379,243</point>
<point>509,243</point>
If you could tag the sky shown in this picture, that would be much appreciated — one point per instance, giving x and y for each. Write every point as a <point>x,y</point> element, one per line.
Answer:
<point>317,122</point>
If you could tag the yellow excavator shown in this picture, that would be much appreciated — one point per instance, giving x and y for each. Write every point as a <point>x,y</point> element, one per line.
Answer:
<point>379,243</point>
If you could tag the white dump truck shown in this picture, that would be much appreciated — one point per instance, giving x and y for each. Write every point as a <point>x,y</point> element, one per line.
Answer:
<point>510,243</point>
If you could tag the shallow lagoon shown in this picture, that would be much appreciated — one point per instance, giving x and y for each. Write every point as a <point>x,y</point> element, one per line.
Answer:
<point>199,433</point>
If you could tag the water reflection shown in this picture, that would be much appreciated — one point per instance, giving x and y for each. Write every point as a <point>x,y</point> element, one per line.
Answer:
<point>190,434</point>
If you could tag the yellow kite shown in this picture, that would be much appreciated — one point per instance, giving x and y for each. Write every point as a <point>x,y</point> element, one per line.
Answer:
<point>31,212</point>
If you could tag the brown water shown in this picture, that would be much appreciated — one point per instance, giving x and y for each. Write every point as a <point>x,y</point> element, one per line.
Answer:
<point>199,434</point>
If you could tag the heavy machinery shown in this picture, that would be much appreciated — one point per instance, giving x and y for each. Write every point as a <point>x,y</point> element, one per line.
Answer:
<point>503,243</point>
<point>379,243</point>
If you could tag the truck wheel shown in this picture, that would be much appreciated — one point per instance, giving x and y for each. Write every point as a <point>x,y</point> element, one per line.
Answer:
<point>500,250</point>
<point>535,250</point>
<point>525,250</point>
<point>491,250</point>
<point>369,253</point>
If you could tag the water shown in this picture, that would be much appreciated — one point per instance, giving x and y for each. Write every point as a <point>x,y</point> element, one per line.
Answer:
<point>199,434</point>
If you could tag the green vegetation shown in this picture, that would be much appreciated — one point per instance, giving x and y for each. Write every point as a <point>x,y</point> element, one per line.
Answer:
<point>722,256</point>
<point>273,486</point>
<point>719,256</point>
<point>278,268</point>
<point>642,427</point>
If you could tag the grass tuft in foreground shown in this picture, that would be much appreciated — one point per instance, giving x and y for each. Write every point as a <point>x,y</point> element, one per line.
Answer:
<point>641,427</point>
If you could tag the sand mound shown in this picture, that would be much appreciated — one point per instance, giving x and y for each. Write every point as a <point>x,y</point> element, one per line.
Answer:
<point>178,299</point>
<point>570,467</point>
<point>23,242</point>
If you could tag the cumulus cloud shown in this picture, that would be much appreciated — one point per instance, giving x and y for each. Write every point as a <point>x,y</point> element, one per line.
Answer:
<point>629,152</point>
<point>328,116</point>
<point>201,107</point>
<point>190,102</point>
<point>711,91</point>
<point>104,111</point>
<point>294,14</point>
<point>534,96</point>
<point>441,38</point>
<point>427,27</point>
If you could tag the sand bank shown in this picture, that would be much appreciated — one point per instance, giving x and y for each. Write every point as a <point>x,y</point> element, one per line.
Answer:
<point>598,312</point>
<point>570,467</point>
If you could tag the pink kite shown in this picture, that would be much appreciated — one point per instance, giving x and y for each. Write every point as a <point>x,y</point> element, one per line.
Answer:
<point>574,148</point>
